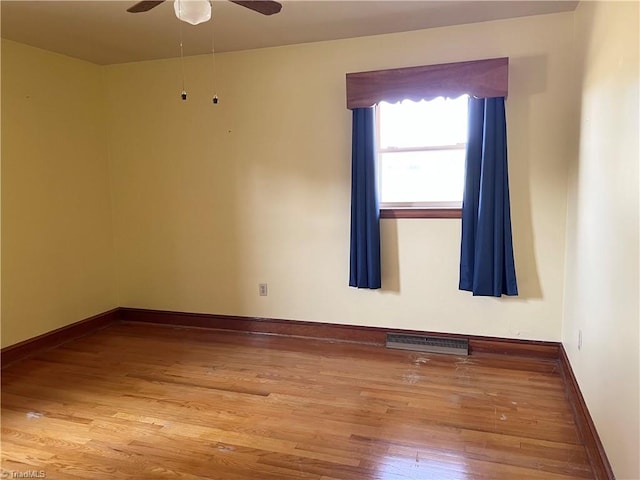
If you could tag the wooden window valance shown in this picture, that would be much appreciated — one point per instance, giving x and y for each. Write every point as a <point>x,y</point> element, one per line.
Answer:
<point>478,78</point>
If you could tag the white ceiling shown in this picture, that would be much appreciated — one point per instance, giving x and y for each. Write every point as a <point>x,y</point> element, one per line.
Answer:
<point>103,32</point>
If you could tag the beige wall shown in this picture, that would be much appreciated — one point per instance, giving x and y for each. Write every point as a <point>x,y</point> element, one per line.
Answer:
<point>57,241</point>
<point>211,200</point>
<point>602,248</point>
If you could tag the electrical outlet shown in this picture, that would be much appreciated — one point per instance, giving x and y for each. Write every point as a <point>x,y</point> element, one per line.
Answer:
<point>262,289</point>
<point>579,339</point>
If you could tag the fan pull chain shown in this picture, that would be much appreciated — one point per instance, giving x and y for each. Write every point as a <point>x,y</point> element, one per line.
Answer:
<point>183,95</point>
<point>213,63</point>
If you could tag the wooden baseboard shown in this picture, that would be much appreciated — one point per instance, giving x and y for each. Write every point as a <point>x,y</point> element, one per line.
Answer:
<point>330,331</point>
<point>595,450</point>
<point>56,337</point>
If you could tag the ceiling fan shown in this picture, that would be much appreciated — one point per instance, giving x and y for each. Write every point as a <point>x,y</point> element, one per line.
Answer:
<point>198,11</point>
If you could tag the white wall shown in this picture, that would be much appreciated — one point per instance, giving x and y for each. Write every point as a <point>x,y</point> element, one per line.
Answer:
<point>602,284</point>
<point>211,200</point>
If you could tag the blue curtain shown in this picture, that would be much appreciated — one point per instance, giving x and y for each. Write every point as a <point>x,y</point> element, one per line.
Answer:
<point>486,257</point>
<point>365,213</point>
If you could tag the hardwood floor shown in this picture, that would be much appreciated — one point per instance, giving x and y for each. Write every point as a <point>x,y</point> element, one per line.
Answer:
<point>147,402</point>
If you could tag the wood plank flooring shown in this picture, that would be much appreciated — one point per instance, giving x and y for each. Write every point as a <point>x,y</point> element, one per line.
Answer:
<point>152,402</point>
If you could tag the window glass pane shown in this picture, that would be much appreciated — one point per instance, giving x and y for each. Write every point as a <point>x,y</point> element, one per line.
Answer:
<point>427,176</point>
<point>419,124</point>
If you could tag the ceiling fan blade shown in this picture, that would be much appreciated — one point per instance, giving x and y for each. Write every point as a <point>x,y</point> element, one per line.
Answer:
<point>144,6</point>
<point>261,6</point>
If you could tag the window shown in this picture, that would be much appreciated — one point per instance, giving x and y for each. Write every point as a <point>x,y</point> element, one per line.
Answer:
<point>478,78</point>
<point>486,80</point>
<point>421,155</point>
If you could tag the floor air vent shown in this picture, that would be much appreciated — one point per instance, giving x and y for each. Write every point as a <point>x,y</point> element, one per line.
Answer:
<point>420,343</point>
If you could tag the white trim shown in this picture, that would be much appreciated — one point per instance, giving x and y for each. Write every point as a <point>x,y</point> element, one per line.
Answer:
<point>434,148</point>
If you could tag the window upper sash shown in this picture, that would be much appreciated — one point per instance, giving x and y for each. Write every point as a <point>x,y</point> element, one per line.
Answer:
<point>478,78</point>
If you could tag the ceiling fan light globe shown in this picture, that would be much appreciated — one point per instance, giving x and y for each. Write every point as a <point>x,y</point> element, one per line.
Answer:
<point>193,11</point>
